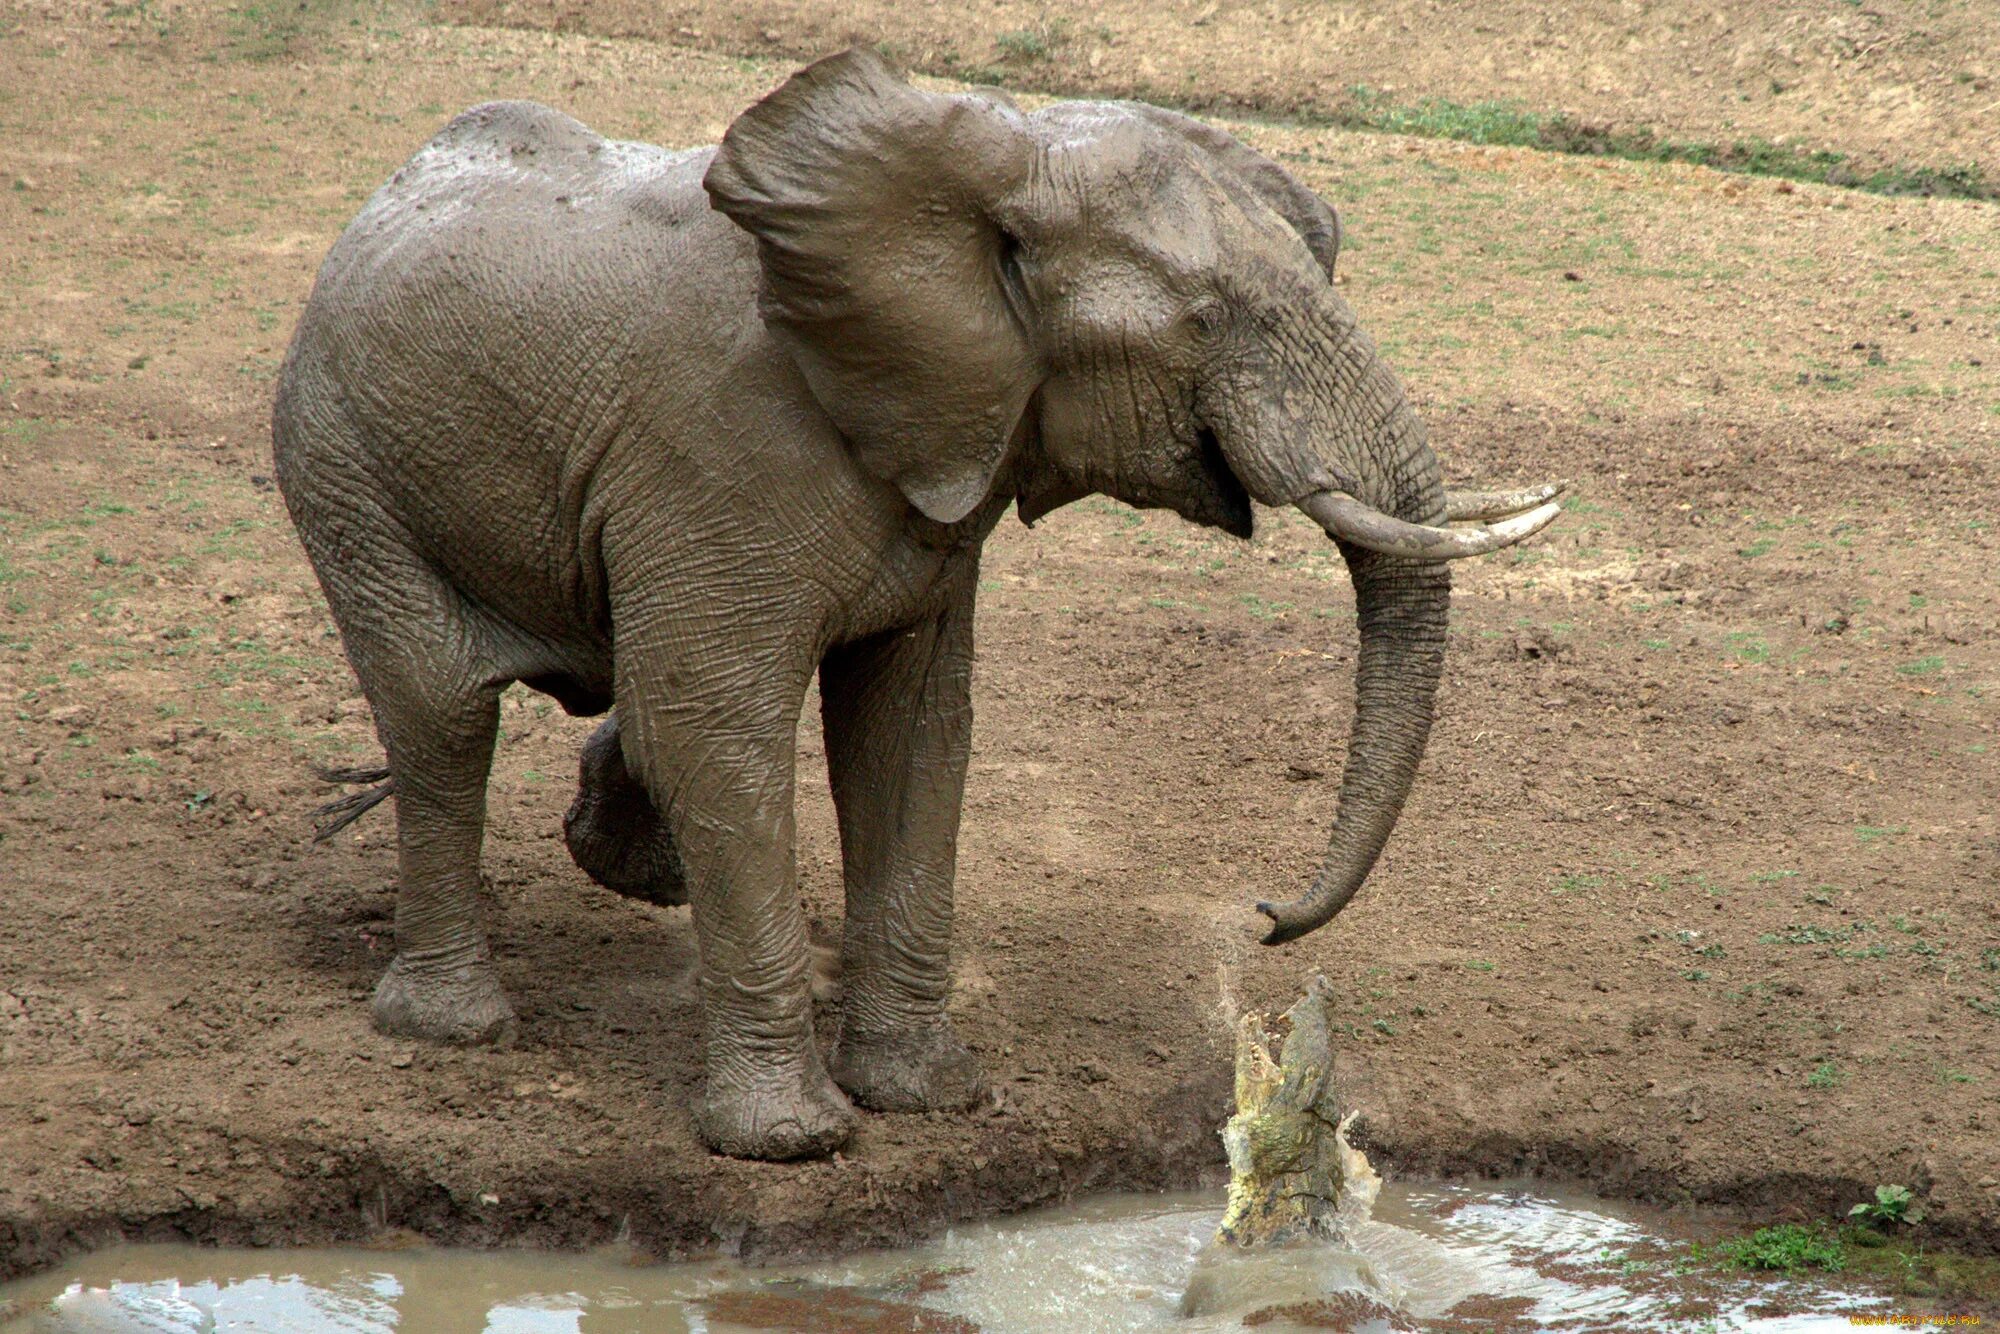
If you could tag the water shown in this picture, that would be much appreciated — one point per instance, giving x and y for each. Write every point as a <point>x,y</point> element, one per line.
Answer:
<point>1116,1263</point>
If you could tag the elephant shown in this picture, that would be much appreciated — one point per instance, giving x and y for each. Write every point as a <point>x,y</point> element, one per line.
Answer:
<point>662,434</point>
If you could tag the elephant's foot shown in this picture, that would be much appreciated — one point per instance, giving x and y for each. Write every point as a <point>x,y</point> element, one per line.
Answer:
<point>809,1118</point>
<point>921,1069</point>
<point>614,832</point>
<point>462,1005</point>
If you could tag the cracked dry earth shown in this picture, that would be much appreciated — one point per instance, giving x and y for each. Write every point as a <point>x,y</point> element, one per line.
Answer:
<point>1694,900</point>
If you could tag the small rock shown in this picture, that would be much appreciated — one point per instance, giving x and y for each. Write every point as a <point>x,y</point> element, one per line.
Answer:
<point>73,716</point>
<point>128,789</point>
<point>1536,644</point>
<point>402,1060</point>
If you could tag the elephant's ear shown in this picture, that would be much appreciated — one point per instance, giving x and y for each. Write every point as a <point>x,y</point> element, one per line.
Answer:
<point>1310,216</point>
<point>884,270</point>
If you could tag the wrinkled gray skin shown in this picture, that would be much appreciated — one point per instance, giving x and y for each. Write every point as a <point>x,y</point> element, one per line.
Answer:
<point>674,431</point>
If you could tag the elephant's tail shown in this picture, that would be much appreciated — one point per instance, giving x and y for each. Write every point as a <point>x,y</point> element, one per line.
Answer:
<point>336,815</point>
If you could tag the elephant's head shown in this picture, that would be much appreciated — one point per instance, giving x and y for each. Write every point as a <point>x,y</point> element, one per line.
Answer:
<point>1109,297</point>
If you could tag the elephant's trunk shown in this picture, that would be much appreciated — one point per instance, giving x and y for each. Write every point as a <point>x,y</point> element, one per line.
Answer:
<point>1401,608</point>
<point>1401,604</point>
<point>1323,423</point>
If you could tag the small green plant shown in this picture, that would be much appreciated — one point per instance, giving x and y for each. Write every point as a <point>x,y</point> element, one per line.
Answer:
<point>1747,647</point>
<point>1891,1205</point>
<point>1805,935</point>
<point>1785,1249</point>
<point>1826,1075</point>
<point>1031,44</point>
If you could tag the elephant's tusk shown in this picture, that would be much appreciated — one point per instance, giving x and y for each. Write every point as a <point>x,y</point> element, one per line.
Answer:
<point>1484,505</point>
<point>1346,518</point>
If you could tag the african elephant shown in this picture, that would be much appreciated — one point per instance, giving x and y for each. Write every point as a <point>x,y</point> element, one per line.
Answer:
<point>673,431</point>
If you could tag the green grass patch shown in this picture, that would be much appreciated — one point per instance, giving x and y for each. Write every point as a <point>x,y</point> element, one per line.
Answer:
<point>1510,123</point>
<point>1788,1248</point>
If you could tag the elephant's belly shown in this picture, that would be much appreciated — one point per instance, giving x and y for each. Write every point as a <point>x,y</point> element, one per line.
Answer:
<point>580,696</point>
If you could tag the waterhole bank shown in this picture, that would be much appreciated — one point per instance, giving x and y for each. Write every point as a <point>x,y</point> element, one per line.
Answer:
<point>1443,1257</point>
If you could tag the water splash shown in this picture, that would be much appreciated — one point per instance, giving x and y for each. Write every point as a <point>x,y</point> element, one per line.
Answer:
<point>1292,1173</point>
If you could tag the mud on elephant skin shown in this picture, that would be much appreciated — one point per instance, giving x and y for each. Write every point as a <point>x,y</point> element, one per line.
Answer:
<point>675,431</point>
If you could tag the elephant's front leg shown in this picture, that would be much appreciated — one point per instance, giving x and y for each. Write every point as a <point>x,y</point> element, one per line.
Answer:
<point>716,749</point>
<point>898,716</point>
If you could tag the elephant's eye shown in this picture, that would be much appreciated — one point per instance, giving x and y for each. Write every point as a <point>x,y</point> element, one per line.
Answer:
<point>1207,318</point>
<point>1010,256</point>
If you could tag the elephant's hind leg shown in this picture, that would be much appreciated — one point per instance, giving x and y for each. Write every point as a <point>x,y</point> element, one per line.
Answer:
<point>441,984</point>
<point>613,829</point>
<point>437,704</point>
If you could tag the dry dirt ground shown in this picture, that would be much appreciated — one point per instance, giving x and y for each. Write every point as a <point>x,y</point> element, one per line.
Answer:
<point>1694,900</point>
<point>1889,82</point>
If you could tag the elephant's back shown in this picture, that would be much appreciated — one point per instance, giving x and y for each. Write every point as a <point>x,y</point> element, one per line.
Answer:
<point>517,203</point>
<point>512,279</point>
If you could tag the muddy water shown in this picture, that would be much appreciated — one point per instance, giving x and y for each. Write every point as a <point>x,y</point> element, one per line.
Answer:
<point>1120,1263</point>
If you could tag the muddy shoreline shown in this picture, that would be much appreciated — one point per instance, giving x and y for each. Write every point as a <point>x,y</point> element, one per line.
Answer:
<point>359,1198</point>
<point>354,1195</point>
